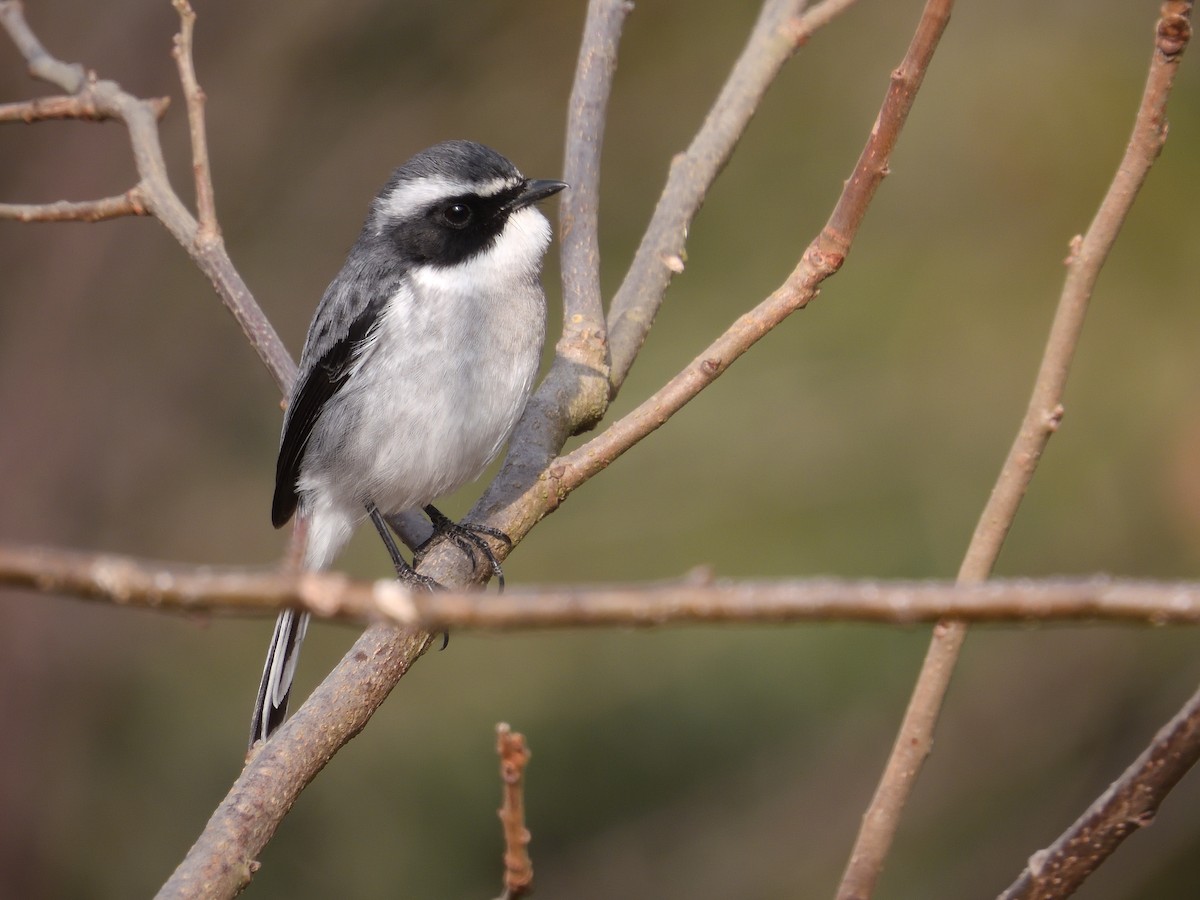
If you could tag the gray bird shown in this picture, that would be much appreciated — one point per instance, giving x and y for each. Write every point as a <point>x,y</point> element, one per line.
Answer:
<point>418,362</point>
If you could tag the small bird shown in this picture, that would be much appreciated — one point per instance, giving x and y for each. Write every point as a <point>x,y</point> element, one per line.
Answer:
<point>418,362</point>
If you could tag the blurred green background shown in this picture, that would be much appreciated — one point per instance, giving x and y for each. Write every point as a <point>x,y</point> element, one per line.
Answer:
<point>860,439</point>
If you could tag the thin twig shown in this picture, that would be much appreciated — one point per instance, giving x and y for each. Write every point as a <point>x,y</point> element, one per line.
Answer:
<point>1042,417</point>
<point>1130,803</point>
<point>518,867</point>
<point>206,211</point>
<point>80,106</point>
<point>584,340</point>
<point>127,204</point>
<point>696,598</point>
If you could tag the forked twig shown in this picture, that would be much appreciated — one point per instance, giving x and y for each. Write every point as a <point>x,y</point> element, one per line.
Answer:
<point>206,209</point>
<point>97,99</point>
<point>1041,419</point>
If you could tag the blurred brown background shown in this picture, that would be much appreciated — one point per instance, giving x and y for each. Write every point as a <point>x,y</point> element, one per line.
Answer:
<point>860,439</point>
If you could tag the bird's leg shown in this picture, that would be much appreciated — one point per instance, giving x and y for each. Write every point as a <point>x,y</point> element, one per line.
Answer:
<point>404,572</point>
<point>467,538</point>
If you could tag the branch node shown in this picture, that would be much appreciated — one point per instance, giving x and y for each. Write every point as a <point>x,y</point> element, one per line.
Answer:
<point>1174,32</point>
<point>1055,417</point>
<point>1074,248</point>
<point>1037,862</point>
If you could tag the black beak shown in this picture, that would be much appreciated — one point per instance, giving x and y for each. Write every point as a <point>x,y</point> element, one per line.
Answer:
<point>536,190</point>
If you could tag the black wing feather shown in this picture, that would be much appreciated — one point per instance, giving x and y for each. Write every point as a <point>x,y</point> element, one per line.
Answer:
<point>323,379</point>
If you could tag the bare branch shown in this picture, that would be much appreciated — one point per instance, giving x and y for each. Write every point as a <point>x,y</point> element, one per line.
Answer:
<point>206,211</point>
<point>697,598</point>
<point>780,29</point>
<point>79,106</point>
<point>222,860</point>
<point>140,117</point>
<point>1130,803</point>
<point>584,340</point>
<point>518,867</point>
<point>127,204</point>
<point>1041,420</point>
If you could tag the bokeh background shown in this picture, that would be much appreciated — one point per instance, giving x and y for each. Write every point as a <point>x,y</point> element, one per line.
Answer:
<point>859,439</point>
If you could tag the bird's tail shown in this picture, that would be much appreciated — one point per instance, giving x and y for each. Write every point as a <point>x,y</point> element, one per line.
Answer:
<point>271,705</point>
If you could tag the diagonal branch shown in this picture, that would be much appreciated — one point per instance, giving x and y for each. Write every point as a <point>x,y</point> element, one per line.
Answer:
<point>1130,803</point>
<point>1042,417</point>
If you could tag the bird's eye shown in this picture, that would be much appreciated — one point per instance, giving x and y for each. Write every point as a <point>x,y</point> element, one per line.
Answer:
<point>456,215</point>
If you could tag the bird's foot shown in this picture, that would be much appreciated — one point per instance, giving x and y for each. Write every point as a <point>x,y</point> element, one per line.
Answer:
<point>415,580</point>
<point>468,538</point>
<point>405,573</point>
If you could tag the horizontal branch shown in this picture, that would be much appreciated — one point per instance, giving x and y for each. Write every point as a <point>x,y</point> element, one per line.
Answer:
<point>128,204</point>
<point>695,599</point>
<point>81,106</point>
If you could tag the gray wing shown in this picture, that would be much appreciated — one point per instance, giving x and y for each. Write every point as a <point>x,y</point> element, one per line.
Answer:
<point>343,323</point>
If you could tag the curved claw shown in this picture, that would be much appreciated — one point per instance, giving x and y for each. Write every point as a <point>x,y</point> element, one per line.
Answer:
<point>466,537</point>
